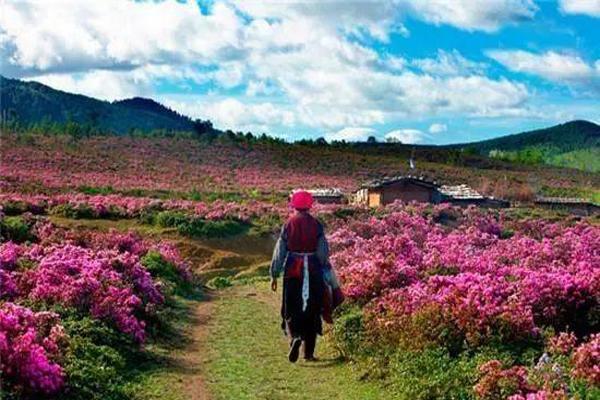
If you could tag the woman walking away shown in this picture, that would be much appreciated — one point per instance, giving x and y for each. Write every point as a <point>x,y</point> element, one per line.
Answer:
<point>310,286</point>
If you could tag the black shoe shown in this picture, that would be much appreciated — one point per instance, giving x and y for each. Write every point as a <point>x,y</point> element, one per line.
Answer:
<point>294,350</point>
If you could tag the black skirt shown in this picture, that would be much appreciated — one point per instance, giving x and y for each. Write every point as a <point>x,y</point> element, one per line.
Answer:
<point>295,321</point>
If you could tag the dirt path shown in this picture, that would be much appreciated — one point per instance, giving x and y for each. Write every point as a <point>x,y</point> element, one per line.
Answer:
<point>193,356</point>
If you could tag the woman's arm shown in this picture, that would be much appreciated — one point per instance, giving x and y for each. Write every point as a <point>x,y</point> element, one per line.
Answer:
<point>278,259</point>
<point>323,255</point>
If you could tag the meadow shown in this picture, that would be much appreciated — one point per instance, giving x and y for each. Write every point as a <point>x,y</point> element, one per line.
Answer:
<point>442,302</point>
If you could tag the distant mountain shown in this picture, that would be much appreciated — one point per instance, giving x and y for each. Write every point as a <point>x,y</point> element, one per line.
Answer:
<point>566,137</point>
<point>33,102</point>
<point>573,144</point>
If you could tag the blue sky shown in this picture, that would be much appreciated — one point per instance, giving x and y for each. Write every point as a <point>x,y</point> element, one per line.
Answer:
<point>437,71</point>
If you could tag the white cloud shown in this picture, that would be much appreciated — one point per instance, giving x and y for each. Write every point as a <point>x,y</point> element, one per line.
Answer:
<point>288,63</point>
<point>351,134</point>
<point>438,128</point>
<point>230,113</point>
<point>448,63</point>
<point>559,67</point>
<point>70,36</point>
<point>368,17</point>
<point>589,7</point>
<point>407,136</point>
<point>105,85</point>
<point>472,15</point>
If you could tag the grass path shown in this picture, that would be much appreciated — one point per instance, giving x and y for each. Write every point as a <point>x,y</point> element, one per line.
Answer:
<point>247,356</point>
<point>228,345</point>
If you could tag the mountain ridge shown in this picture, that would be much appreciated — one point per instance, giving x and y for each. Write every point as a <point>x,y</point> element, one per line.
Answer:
<point>28,102</point>
<point>33,102</point>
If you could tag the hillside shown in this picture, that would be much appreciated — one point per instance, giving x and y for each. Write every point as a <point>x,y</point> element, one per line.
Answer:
<point>573,144</point>
<point>32,102</point>
<point>234,165</point>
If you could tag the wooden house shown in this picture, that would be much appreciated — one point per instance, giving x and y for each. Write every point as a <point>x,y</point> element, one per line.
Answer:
<point>404,188</point>
<point>574,206</point>
<point>410,188</point>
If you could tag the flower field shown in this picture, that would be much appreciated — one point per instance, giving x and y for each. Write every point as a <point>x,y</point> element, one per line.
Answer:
<point>465,282</point>
<point>443,302</point>
<point>57,280</point>
<point>38,163</point>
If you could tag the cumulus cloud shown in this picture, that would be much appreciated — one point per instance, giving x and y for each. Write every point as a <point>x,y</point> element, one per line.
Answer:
<point>43,36</point>
<point>286,62</point>
<point>374,18</point>
<point>105,85</point>
<point>588,7</point>
<point>230,113</point>
<point>448,63</point>
<point>437,128</point>
<point>406,136</point>
<point>472,15</point>
<point>559,67</point>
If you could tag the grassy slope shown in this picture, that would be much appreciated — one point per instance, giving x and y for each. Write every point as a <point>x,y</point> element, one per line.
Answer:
<point>248,356</point>
<point>583,159</point>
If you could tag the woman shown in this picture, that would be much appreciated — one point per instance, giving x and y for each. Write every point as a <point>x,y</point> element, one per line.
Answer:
<point>308,280</point>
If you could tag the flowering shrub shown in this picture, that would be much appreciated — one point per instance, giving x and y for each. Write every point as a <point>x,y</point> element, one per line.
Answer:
<point>221,166</point>
<point>78,205</point>
<point>30,348</point>
<point>476,283</point>
<point>92,273</point>
<point>563,343</point>
<point>499,383</point>
<point>586,361</point>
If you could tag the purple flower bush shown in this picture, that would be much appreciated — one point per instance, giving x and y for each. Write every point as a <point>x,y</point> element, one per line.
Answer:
<point>479,283</point>
<point>472,281</point>
<point>31,346</point>
<point>97,274</point>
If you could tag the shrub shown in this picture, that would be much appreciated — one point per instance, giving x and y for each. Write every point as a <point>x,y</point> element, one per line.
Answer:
<point>170,219</point>
<point>220,282</point>
<point>30,345</point>
<point>15,229</point>
<point>348,331</point>
<point>75,211</point>
<point>95,362</point>
<point>15,207</point>
<point>203,228</point>
<point>160,268</point>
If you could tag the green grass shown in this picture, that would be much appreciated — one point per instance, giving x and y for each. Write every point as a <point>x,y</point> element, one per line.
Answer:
<point>589,194</point>
<point>248,356</point>
<point>583,159</point>
<point>158,374</point>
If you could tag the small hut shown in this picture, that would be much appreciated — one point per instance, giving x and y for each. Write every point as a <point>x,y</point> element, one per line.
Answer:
<point>571,205</point>
<point>390,189</point>
<point>463,195</point>
<point>328,196</point>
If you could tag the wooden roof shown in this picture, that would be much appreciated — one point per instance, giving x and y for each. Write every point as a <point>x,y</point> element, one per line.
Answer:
<point>460,192</point>
<point>386,181</point>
